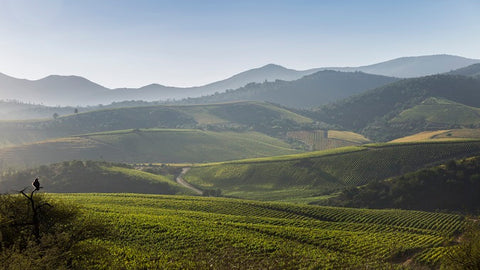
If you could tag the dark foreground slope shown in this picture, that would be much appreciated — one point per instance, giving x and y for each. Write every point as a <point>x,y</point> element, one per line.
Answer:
<point>453,186</point>
<point>90,176</point>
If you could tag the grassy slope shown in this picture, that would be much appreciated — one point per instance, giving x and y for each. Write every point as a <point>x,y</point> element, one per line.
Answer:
<point>347,136</point>
<point>247,115</point>
<point>307,176</point>
<point>152,145</point>
<point>440,111</point>
<point>450,134</point>
<point>78,176</point>
<point>180,232</point>
<point>210,113</point>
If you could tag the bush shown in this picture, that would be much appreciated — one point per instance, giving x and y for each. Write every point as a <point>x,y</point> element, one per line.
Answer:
<point>466,255</point>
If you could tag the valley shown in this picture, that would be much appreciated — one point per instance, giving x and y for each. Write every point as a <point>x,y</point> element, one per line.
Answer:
<point>330,169</point>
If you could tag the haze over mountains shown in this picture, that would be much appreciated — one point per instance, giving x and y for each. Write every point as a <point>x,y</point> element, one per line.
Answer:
<point>73,90</point>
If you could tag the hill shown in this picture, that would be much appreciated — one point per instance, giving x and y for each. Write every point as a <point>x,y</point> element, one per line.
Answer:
<point>426,189</point>
<point>90,176</point>
<point>52,90</point>
<point>440,112</point>
<point>372,113</point>
<point>241,116</point>
<point>180,232</point>
<point>309,176</point>
<point>472,71</point>
<point>312,90</point>
<point>15,110</point>
<point>146,146</point>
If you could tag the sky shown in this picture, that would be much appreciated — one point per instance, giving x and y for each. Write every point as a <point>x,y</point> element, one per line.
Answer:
<point>119,43</point>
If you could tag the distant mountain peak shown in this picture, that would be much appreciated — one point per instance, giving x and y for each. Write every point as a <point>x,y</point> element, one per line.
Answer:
<point>273,66</point>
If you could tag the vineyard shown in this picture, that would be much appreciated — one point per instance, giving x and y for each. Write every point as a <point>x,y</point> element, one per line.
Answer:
<point>319,173</point>
<point>327,139</point>
<point>155,231</point>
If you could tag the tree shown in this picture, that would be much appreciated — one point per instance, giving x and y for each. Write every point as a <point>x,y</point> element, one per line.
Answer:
<point>75,111</point>
<point>55,115</point>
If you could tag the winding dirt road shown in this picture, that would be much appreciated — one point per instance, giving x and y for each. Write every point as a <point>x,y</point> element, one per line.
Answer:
<point>184,183</point>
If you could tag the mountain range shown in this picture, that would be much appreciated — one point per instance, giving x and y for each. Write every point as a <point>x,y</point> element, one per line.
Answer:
<point>74,90</point>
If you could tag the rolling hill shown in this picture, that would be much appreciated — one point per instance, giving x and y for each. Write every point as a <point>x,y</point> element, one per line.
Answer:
<point>146,146</point>
<point>309,176</point>
<point>472,71</point>
<point>312,90</point>
<point>372,113</point>
<point>241,116</point>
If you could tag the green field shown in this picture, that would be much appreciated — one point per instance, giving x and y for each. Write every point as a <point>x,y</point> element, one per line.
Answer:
<point>308,176</point>
<point>175,232</point>
<point>147,145</point>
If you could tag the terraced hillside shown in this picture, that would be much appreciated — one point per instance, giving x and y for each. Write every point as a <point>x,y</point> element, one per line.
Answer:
<point>146,145</point>
<point>241,116</point>
<point>307,177</point>
<point>327,139</point>
<point>147,231</point>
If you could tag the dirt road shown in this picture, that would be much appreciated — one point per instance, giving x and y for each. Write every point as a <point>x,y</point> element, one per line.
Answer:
<point>184,183</point>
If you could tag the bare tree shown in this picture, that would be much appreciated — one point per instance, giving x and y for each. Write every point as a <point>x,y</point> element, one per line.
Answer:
<point>35,223</point>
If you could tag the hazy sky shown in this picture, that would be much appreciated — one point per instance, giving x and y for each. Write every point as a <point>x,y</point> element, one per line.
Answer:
<point>120,43</point>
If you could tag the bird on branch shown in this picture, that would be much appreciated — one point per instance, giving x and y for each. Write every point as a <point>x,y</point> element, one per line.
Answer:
<point>36,184</point>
